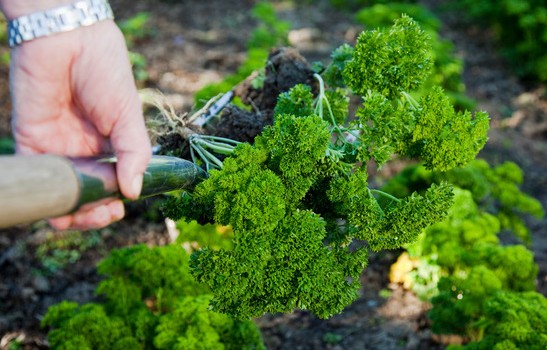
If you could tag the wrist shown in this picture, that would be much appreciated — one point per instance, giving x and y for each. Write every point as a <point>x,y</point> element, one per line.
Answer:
<point>15,8</point>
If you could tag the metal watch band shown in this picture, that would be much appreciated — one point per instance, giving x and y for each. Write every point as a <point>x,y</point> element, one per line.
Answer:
<point>57,20</point>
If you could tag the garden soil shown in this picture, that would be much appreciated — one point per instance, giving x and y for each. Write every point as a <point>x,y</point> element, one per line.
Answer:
<point>200,42</point>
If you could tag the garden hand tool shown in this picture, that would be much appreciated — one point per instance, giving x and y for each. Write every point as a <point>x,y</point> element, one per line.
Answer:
<point>44,186</point>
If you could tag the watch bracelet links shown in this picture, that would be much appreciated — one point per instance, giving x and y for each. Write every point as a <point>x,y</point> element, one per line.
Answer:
<point>57,20</point>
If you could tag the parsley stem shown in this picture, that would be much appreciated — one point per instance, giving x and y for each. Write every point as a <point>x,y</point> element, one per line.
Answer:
<point>216,146</point>
<point>319,107</point>
<point>384,194</point>
<point>197,145</point>
<point>220,139</point>
<point>201,144</point>
<point>415,105</point>
<point>212,158</point>
<point>199,151</point>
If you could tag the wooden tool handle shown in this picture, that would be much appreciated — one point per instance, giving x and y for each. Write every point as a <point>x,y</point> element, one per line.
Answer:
<point>46,186</point>
<point>36,187</point>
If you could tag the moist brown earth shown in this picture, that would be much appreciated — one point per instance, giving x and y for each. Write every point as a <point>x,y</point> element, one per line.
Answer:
<point>199,42</point>
<point>286,68</point>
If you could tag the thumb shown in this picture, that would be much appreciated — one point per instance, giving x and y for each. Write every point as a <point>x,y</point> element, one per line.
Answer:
<point>131,144</point>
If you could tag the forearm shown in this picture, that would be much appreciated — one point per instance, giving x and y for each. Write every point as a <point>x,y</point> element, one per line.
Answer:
<point>16,8</point>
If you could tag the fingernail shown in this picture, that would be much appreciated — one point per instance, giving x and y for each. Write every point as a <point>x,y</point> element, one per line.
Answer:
<point>137,185</point>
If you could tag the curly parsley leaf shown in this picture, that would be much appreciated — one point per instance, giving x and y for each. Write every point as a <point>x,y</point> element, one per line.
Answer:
<point>389,61</point>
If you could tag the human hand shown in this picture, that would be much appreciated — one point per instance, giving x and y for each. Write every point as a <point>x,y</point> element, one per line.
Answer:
<point>74,94</point>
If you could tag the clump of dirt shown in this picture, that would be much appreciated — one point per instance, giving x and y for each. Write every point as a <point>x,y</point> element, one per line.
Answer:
<point>284,69</point>
<point>239,124</point>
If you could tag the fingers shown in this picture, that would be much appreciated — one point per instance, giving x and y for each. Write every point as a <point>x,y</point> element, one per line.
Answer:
<point>111,100</point>
<point>92,216</point>
<point>131,143</point>
<point>23,149</point>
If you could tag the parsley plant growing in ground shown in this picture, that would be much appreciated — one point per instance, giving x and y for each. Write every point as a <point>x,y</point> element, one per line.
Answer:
<point>298,199</point>
<point>150,301</point>
<point>478,287</point>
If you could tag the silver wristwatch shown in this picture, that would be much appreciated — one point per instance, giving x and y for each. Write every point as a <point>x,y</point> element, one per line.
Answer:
<point>57,20</point>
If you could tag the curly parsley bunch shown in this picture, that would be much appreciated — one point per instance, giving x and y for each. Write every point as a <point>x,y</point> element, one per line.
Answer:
<point>299,201</point>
